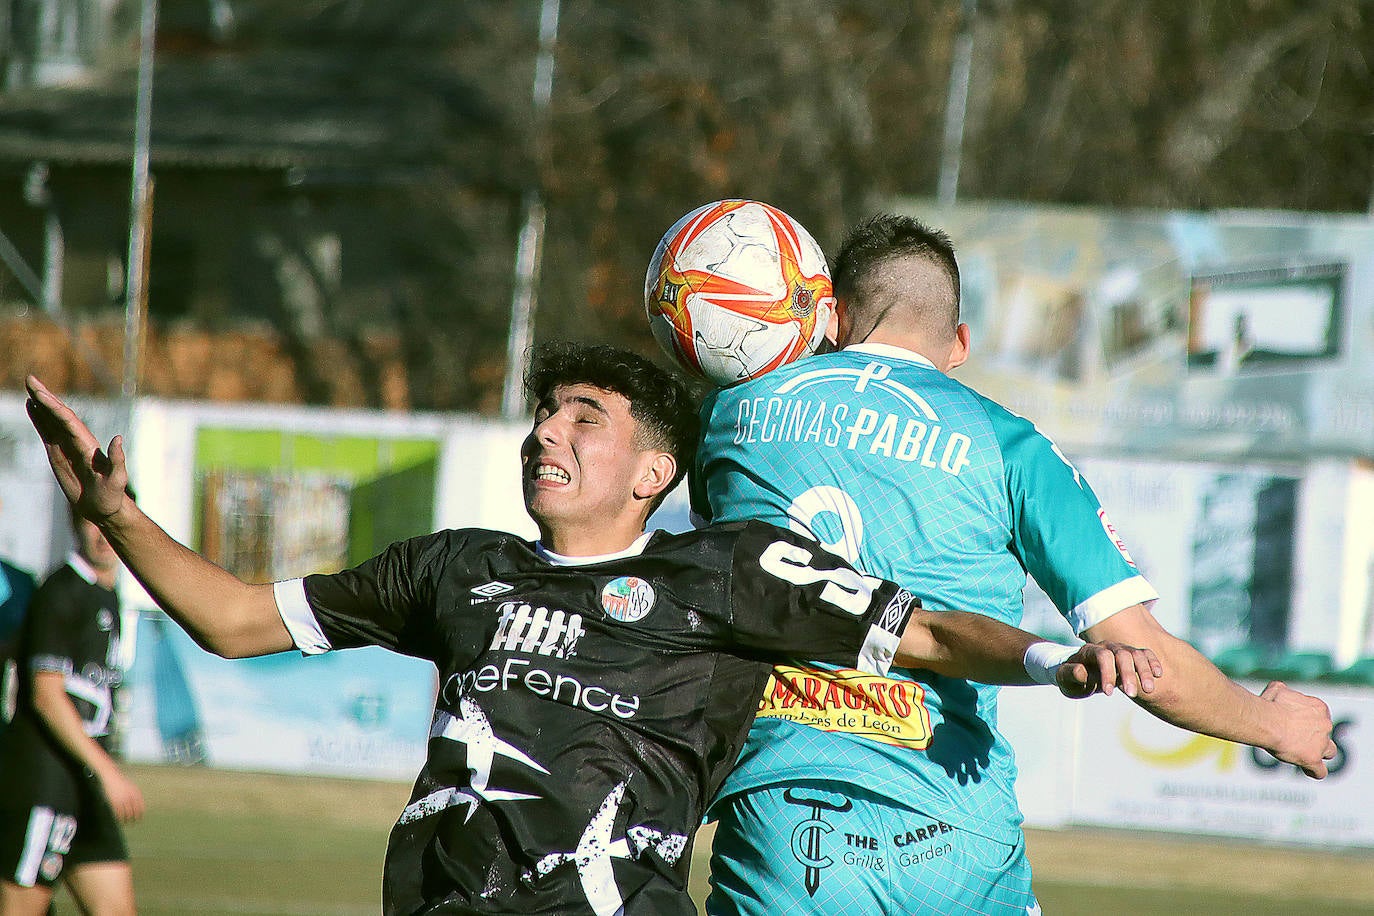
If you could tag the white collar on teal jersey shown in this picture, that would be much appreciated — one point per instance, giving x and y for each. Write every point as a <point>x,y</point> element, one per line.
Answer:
<point>888,351</point>
<point>557,559</point>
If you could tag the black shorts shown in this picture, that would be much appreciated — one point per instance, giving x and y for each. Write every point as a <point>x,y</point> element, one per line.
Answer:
<point>40,838</point>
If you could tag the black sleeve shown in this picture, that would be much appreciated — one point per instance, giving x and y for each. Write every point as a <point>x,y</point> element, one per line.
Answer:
<point>790,598</point>
<point>387,601</point>
<point>52,625</point>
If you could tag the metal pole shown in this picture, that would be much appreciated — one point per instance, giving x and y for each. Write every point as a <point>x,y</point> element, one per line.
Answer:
<point>530,247</point>
<point>956,106</point>
<point>22,271</point>
<point>38,193</point>
<point>140,203</point>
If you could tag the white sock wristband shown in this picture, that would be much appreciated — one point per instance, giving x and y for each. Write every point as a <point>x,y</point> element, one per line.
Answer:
<point>1044,658</point>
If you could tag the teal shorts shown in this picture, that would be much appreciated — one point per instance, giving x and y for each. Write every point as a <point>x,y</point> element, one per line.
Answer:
<point>832,848</point>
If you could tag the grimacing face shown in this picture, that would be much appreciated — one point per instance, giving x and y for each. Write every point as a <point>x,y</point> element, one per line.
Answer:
<point>582,462</point>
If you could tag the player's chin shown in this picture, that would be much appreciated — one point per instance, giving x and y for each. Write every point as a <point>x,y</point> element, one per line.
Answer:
<point>545,498</point>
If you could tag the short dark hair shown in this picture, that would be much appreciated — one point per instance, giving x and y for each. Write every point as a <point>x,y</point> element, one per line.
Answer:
<point>660,402</point>
<point>882,238</point>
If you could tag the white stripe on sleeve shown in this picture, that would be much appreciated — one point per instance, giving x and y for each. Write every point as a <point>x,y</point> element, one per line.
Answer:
<point>35,846</point>
<point>299,619</point>
<point>880,646</point>
<point>1124,594</point>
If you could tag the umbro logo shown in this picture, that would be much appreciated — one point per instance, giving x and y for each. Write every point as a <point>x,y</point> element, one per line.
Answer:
<point>895,614</point>
<point>491,590</point>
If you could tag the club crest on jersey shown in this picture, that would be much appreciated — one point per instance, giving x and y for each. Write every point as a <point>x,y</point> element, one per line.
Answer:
<point>628,598</point>
<point>104,620</point>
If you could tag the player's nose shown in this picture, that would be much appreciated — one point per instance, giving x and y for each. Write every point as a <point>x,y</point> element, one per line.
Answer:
<point>551,430</point>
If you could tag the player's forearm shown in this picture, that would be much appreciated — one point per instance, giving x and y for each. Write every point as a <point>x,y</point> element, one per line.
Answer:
<point>63,722</point>
<point>1198,697</point>
<point>965,645</point>
<point>221,612</point>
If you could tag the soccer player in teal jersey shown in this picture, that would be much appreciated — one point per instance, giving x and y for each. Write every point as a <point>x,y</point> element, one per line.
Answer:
<point>858,794</point>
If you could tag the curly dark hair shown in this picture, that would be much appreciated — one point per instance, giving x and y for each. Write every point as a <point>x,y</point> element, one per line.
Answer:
<point>660,402</point>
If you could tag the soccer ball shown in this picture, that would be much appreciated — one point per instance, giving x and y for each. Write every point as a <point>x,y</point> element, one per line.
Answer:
<point>737,288</point>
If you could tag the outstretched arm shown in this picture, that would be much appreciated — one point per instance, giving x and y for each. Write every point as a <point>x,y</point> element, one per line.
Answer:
<point>1293,726</point>
<point>222,613</point>
<point>972,646</point>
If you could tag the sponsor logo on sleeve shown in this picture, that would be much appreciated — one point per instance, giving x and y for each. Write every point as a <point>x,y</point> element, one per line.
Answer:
<point>894,616</point>
<point>1108,527</point>
<point>628,599</point>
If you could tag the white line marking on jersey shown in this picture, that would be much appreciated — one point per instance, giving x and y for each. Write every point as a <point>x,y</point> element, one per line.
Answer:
<point>474,730</point>
<point>862,379</point>
<point>596,849</point>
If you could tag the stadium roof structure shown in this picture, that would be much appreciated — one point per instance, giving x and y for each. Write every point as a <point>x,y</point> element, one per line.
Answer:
<point>319,115</point>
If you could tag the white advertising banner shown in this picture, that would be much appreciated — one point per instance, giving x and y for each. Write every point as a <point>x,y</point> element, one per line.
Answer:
<point>1134,771</point>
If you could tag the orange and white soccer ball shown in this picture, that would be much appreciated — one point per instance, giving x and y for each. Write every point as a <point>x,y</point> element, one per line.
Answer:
<point>737,288</point>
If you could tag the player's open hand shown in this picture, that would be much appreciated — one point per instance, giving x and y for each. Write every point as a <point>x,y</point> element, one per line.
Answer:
<point>1304,729</point>
<point>93,480</point>
<point>125,798</point>
<point>1104,667</point>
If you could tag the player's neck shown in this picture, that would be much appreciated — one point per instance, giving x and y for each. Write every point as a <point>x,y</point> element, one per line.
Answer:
<point>590,541</point>
<point>939,357</point>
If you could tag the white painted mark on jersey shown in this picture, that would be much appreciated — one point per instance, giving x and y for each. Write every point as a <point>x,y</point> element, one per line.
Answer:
<point>438,801</point>
<point>474,730</point>
<point>668,846</point>
<point>872,372</point>
<point>95,693</point>
<point>802,514</point>
<point>523,628</point>
<point>862,378</point>
<point>846,588</point>
<point>596,849</point>
<point>1054,447</point>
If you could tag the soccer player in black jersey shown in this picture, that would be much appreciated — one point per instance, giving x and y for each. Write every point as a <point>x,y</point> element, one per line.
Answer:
<point>62,796</point>
<point>595,685</point>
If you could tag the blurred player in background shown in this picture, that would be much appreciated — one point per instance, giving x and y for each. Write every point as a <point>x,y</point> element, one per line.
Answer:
<point>881,457</point>
<point>596,684</point>
<point>63,795</point>
<point>16,590</point>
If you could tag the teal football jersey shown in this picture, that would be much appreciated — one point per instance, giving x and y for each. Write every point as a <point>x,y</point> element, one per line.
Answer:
<point>914,477</point>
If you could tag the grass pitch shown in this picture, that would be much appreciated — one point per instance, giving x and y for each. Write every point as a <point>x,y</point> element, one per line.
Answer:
<point>217,842</point>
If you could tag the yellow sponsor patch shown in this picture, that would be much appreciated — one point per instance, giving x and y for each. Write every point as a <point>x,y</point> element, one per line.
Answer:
<point>849,701</point>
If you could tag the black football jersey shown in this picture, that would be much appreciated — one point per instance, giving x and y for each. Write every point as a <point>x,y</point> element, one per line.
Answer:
<point>586,713</point>
<point>71,628</point>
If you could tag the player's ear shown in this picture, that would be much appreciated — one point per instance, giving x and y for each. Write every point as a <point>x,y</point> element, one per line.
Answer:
<point>657,476</point>
<point>959,350</point>
<point>832,325</point>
